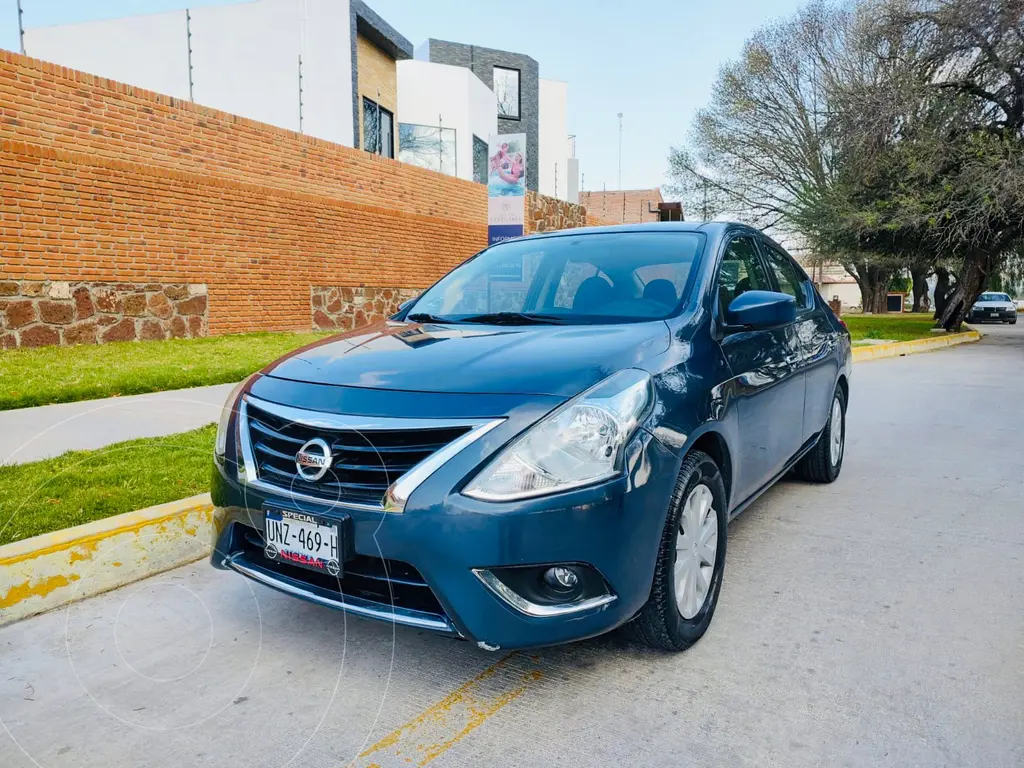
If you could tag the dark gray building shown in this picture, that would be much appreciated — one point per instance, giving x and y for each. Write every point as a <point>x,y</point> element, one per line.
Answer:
<point>515,80</point>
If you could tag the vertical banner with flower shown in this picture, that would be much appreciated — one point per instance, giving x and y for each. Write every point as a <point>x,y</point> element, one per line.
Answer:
<point>506,186</point>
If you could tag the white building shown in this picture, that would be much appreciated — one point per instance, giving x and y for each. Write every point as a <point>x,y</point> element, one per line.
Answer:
<point>553,138</point>
<point>447,117</point>
<point>325,67</point>
<point>332,69</point>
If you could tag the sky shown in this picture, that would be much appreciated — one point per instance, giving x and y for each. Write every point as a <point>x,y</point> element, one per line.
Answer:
<point>654,62</point>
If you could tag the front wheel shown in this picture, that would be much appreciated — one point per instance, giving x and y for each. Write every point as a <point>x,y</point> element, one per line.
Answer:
<point>691,560</point>
<point>825,460</point>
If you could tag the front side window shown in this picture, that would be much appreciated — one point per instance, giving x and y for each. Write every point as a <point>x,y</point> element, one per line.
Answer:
<point>741,271</point>
<point>571,279</point>
<point>428,146</point>
<point>788,276</point>
<point>506,91</point>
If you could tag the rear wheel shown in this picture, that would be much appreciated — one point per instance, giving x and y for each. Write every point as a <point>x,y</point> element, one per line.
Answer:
<point>691,560</point>
<point>825,460</point>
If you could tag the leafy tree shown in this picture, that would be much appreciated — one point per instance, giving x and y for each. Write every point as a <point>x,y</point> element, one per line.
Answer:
<point>776,147</point>
<point>967,188</point>
<point>888,134</point>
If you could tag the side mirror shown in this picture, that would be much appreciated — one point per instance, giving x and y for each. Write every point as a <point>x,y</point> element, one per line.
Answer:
<point>757,310</point>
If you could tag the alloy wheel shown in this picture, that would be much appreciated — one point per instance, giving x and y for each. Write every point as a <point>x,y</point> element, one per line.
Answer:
<point>696,551</point>
<point>837,429</point>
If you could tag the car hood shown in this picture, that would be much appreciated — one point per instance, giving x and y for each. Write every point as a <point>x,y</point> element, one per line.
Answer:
<point>994,305</point>
<point>475,359</point>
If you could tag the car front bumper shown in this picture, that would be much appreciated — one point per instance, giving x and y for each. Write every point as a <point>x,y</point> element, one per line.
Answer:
<point>991,315</point>
<point>444,537</point>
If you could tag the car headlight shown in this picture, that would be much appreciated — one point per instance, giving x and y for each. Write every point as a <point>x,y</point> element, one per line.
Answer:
<point>579,443</point>
<point>230,406</point>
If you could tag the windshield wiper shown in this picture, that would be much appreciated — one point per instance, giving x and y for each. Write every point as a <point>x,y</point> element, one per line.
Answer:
<point>424,317</point>
<point>513,318</point>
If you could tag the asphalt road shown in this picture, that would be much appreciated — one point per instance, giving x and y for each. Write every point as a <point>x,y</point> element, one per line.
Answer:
<point>877,621</point>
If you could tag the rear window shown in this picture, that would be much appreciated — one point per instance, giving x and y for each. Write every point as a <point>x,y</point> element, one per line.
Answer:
<point>588,278</point>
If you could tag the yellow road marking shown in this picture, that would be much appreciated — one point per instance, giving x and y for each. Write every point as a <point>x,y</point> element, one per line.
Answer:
<point>443,725</point>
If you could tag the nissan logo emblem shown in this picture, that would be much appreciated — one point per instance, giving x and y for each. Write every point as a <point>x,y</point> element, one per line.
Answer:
<point>313,460</point>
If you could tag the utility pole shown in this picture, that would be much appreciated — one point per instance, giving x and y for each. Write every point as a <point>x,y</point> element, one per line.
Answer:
<point>21,28</point>
<point>620,150</point>
<point>300,93</point>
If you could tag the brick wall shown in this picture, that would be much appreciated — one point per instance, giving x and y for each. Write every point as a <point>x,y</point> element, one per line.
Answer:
<point>630,206</point>
<point>104,183</point>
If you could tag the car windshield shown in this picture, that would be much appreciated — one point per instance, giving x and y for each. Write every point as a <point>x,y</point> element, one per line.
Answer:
<point>993,297</point>
<point>612,277</point>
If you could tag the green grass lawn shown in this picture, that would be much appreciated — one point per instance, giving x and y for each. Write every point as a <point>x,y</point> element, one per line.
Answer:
<point>81,486</point>
<point>66,374</point>
<point>893,327</point>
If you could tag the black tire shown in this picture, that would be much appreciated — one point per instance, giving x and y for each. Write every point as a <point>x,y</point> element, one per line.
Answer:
<point>817,466</point>
<point>660,625</point>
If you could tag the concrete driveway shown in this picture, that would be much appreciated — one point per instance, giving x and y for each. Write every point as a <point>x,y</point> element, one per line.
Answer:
<point>30,434</point>
<point>877,621</point>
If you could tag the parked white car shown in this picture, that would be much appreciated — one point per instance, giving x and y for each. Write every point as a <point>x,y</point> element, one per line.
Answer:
<point>994,306</point>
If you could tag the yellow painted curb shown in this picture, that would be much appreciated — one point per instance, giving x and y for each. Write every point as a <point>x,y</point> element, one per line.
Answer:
<point>52,570</point>
<point>899,348</point>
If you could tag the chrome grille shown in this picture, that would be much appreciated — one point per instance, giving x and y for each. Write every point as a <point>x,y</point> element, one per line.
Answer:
<point>365,462</point>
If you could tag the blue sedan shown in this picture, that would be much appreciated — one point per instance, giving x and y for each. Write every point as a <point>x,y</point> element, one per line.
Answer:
<point>546,445</point>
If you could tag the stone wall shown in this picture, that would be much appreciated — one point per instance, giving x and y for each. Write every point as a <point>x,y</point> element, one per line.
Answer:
<point>544,214</point>
<point>36,313</point>
<point>340,307</point>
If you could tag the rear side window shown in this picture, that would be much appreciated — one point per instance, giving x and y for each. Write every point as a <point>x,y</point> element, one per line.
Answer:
<point>788,276</point>
<point>741,271</point>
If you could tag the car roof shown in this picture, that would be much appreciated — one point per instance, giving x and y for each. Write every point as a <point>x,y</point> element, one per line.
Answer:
<point>711,228</point>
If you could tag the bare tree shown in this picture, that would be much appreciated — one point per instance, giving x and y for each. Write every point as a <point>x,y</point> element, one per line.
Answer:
<point>776,146</point>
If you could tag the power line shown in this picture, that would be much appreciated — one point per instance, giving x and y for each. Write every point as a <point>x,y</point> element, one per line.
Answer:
<point>188,38</point>
<point>300,93</point>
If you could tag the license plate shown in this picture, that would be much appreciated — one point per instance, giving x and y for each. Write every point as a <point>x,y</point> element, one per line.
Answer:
<point>302,539</point>
<point>993,313</point>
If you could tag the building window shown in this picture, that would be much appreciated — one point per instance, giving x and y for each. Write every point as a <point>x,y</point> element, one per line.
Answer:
<point>378,129</point>
<point>428,146</point>
<point>480,148</point>
<point>506,90</point>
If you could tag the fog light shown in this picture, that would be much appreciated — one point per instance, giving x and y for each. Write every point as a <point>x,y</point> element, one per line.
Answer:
<point>561,578</point>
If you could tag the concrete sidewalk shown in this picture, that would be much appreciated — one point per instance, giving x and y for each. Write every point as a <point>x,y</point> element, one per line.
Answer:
<point>30,434</point>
